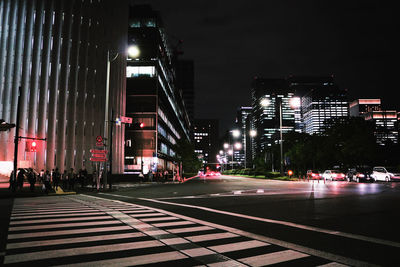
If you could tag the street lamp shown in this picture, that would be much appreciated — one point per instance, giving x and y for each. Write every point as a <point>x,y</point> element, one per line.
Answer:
<point>133,52</point>
<point>294,103</point>
<point>252,134</point>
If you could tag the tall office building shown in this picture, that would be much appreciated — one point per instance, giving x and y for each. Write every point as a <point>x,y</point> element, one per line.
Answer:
<point>359,107</point>
<point>273,110</point>
<point>240,156</point>
<point>322,102</point>
<point>205,139</point>
<point>152,98</point>
<point>386,124</point>
<point>54,55</point>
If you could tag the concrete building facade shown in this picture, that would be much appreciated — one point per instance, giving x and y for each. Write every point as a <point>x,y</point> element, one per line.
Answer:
<point>54,55</point>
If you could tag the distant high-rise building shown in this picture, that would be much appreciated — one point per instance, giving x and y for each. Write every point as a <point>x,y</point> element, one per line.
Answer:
<point>360,107</point>
<point>240,155</point>
<point>205,138</point>
<point>322,102</point>
<point>185,82</point>
<point>152,97</point>
<point>386,125</point>
<point>273,108</point>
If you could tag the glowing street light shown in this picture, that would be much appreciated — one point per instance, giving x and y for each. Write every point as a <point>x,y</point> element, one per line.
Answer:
<point>235,133</point>
<point>253,133</point>
<point>226,145</point>
<point>295,102</point>
<point>265,102</point>
<point>133,51</point>
<point>238,146</point>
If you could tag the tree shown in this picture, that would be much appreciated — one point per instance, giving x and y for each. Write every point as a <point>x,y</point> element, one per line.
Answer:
<point>185,153</point>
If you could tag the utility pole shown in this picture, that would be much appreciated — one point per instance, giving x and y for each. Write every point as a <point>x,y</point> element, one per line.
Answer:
<point>16,138</point>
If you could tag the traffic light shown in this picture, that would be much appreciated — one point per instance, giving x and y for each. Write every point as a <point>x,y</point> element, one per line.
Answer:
<point>33,146</point>
<point>138,125</point>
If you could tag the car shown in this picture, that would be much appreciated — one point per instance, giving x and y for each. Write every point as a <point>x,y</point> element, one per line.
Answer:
<point>386,174</point>
<point>360,174</point>
<point>313,174</point>
<point>333,175</point>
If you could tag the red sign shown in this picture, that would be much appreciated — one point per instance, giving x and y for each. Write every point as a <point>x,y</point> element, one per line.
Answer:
<point>99,138</point>
<point>98,155</point>
<point>126,119</point>
<point>98,159</point>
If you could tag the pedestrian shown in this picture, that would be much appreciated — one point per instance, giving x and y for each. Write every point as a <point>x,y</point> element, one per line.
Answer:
<point>46,181</point>
<point>94,179</point>
<point>20,178</point>
<point>56,179</point>
<point>150,176</point>
<point>13,181</point>
<point>31,179</point>
<point>84,176</point>
<point>41,176</point>
<point>165,175</point>
<point>71,179</point>
<point>64,180</point>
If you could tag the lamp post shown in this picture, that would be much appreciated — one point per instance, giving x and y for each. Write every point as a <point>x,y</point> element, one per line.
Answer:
<point>133,52</point>
<point>294,103</point>
<point>252,133</point>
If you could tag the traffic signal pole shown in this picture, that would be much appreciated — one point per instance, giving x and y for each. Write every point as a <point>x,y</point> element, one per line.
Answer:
<point>16,138</point>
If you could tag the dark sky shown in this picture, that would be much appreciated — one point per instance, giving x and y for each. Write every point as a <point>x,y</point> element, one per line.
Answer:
<point>233,41</point>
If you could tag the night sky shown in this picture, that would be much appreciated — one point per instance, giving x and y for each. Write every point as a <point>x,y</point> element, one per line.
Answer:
<point>233,41</point>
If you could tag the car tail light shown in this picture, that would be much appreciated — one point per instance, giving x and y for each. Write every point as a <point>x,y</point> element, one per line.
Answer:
<point>360,175</point>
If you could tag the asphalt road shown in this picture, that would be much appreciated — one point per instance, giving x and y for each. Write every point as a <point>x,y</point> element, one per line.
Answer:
<point>226,220</point>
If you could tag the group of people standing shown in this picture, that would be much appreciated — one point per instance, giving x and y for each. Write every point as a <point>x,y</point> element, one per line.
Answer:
<point>54,179</point>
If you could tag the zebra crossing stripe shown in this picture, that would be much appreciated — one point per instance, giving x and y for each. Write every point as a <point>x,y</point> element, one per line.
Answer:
<point>238,246</point>
<point>70,232</point>
<point>41,255</point>
<point>165,218</point>
<point>72,214</point>
<point>207,237</point>
<point>332,264</point>
<point>91,218</point>
<point>197,252</point>
<point>64,225</point>
<point>72,240</point>
<point>173,223</point>
<point>273,258</point>
<point>190,229</point>
<point>226,264</point>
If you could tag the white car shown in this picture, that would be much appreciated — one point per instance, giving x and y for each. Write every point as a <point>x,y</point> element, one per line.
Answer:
<point>384,174</point>
<point>333,175</point>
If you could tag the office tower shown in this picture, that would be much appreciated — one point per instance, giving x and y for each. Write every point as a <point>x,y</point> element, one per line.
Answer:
<point>322,102</point>
<point>240,156</point>
<point>54,55</point>
<point>386,124</point>
<point>274,109</point>
<point>359,107</point>
<point>152,98</point>
<point>205,139</point>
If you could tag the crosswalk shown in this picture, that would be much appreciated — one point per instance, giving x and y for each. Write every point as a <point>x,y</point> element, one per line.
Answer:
<point>82,230</point>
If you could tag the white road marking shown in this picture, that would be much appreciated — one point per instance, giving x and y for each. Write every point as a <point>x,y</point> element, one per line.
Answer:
<point>190,229</point>
<point>290,224</point>
<point>207,237</point>
<point>174,241</point>
<point>288,245</point>
<point>166,218</point>
<point>87,218</point>
<point>273,258</point>
<point>238,246</point>
<point>226,264</point>
<point>135,260</point>
<point>172,223</point>
<point>146,215</point>
<point>48,254</point>
<point>72,214</point>
<point>332,264</point>
<point>197,252</point>
<point>72,240</point>
<point>70,232</point>
<point>63,225</point>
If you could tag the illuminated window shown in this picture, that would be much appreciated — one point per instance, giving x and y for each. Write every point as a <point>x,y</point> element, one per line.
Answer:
<point>135,71</point>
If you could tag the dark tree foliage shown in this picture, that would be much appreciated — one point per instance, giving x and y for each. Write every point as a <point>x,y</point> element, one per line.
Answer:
<point>348,143</point>
<point>185,153</point>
